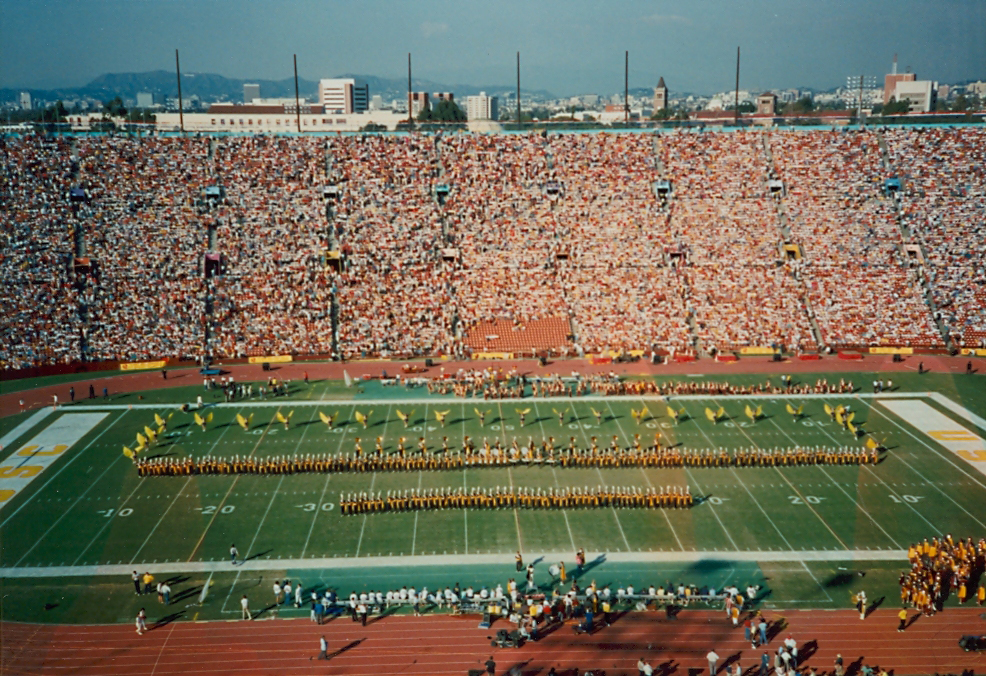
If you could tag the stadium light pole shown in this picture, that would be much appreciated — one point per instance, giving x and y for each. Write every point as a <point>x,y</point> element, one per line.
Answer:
<point>297,104</point>
<point>181,114</point>
<point>410,119</point>
<point>736,104</point>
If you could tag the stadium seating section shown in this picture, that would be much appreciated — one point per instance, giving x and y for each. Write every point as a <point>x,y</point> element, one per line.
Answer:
<point>554,242</point>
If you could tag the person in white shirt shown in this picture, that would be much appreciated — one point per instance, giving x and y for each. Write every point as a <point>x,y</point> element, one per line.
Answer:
<point>245,609</point>
<point>713,659</point>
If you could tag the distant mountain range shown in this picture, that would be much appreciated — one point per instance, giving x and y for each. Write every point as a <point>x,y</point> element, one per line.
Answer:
<point>211,87</point>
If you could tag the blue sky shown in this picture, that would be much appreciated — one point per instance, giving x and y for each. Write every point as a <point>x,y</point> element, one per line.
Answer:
<point>567,47</point>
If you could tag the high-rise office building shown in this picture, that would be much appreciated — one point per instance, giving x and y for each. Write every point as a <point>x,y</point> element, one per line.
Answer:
<point>417,102</point>
<point>482,107</point>
<point>25,100</point>
<point>344,95</point>
<point>250,92</point>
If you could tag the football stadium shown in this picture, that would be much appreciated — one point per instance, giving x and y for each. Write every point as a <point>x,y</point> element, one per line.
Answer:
<point>555,400</point>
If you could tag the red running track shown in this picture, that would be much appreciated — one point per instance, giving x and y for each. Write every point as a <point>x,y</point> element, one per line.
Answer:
<point>445,645</point>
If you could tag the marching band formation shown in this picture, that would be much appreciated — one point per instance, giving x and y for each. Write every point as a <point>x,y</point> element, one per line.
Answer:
<point>494,455</point>
<point>507,497</point>
<point>941,567</point>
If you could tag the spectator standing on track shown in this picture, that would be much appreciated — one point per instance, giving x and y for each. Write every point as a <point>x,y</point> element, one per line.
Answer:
<point>106,393</point>
<point>71,394</point>
<point>92,391</point>
<point>323,647</point>
<point>530,578</point>
<point>644,669</point>
<point>166,592</point>
<point>713,659</point>
<point>141,621</point>
<point>764,663</point>
<point>164,373</point>
<point>297,595</point>
<point>287,591</point>
<point>792,647</point>
<point>579,561</point>
<point>245,608</point>
<point>54,404</point>
<point>233,553</point>
<point>840,670</point>
<point>278,593</point>
<point>748,632</point>
<point>519,561</point>
<point>762,626</point>
<point>902,616</point>
<point>490,664</point>
<point>136,580</point>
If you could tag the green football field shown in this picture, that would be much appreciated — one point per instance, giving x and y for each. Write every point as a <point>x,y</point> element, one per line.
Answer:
<point>86,520</point>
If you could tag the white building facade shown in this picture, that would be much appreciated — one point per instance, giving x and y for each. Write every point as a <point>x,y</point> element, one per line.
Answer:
<point>343,95</point>
<point>482,107</point>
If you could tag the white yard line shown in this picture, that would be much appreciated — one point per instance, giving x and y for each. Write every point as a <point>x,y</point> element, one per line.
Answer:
<point>564,512</point>
<point>510,475</point>
<point>160,519</point>
<point>414,536</point>
<point>694,481</point>
<point>249,549</point>
<point>934,528</point>
<point>899,458</point>
<point>787,481</point>
<point>836,484</point>
<point>664,512</point>
<point>77,500</point>
<point>325,486</point>
<point>175,499</point>
<point>820,586</point>
<point>107,523</point>
<point>359,544</point>
<point>62,469</point>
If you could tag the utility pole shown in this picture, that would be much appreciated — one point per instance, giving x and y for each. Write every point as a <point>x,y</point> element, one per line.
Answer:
<point>736,104</point>
<point>518,89</point>
<point>181,113</point>
<point>297,104</point>
<point>626,88</point>
<point>410,118</point>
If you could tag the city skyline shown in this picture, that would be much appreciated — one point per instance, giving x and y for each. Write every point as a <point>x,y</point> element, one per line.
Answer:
<point>567,48</point>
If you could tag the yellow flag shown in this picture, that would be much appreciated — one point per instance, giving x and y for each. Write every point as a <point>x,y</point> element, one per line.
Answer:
<point>828,409</point>
<point>710,414</point>
<point>721,412</point>
<point>790,409</point>
<point>671,412</point>
<point>749,412</point>
<point>141,439</point>
<point>199,420</point>
<point>759,412</point>
<point>279,417</point>
<point>326,419</point>
<point>870,444</point>
<point>851,416</point>
<point>151,434</point>
<point>208,418</point>
<point>801,409</point>
<point>127,452</point>
<point>158,420</point>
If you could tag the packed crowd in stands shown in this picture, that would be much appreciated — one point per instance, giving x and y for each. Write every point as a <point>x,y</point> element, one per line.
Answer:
<point>943,205</point>
<point>566,228</point>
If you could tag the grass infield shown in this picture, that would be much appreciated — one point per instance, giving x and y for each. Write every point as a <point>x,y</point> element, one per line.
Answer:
<point>71,537</point>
